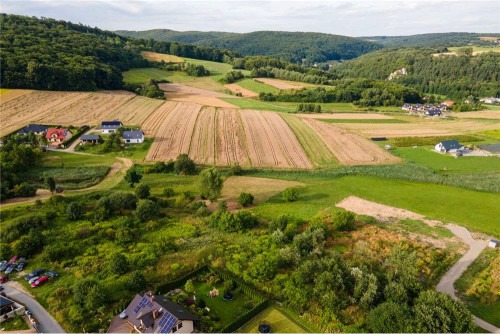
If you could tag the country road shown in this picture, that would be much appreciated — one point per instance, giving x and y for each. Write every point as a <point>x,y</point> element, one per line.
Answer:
<point>47,324</point>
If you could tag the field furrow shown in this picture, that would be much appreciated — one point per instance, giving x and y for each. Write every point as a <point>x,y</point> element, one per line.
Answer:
<point>348,148</point>
<point>230,139</point>
<point>202,143</point>
<point>136,110</point>
<point>153,122</point>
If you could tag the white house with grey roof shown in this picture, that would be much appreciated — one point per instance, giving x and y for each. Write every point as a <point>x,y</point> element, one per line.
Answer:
<point>110,127</point>
<point>133,137</point>
<point>448,146</point>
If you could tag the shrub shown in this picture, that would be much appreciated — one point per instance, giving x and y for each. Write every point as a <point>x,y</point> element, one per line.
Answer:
<point>211,183</point>
<point>184,165</point>
<point>147,210</point>
<point>135,281</point>
<point>279,223</point>
<point>25,190</point>
<point>30,244</point>
<point>118,264</point>
<point>75,211</point>
<point>142,191</point>
<point>235,170</point>
<point>344,221</point>
<point>245,199</point>
<point>389,317</point>
<point>132,176</point>
<point>168,192</point>
<point>291,194</point>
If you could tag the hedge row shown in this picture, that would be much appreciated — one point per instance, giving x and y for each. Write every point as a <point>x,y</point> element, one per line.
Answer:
<point>163,289</point>
<point>244,287</point>
<point>74,137</point>
<point>421,141</point>
<point>238,323</point>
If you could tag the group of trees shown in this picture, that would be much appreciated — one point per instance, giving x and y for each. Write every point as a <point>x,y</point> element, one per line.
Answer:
<point>195,70</point>
<point>233,76</point>
<point>309,107</point>
<point>150,89</point>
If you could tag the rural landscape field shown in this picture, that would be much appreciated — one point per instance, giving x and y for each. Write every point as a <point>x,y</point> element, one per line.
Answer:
<point>162,181</point>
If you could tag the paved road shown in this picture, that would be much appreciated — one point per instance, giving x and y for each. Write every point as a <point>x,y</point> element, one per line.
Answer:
<point>47,323</point>
<point>446,284</point>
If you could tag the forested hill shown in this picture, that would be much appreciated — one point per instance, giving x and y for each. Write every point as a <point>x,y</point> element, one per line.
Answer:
<point>456,76</point>
<point>437,39</point>
<point>189,37</point>
<point>289,46</point>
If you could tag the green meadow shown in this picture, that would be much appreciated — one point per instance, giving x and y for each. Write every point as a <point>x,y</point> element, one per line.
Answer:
<point>255,86</point>
<point>365,121</point>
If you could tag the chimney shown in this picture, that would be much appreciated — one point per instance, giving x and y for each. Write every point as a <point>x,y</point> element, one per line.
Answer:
<point>152,298</point>
<point>155,314</point>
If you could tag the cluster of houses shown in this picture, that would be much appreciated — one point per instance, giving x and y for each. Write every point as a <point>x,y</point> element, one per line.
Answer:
<point>59,135</point>
<point>490,100</point>
<point>428,109</point>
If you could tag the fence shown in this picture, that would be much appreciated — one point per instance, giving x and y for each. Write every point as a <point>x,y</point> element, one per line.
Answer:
<point>163,289</point>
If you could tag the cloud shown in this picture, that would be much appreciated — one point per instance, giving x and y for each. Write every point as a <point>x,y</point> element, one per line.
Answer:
<point>352,18</point>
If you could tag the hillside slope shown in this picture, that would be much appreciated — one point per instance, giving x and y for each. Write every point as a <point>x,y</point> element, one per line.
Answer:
<point>289,46</point>
<point>436,39</point>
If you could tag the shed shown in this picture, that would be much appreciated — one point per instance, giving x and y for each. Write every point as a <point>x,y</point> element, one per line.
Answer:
<point>94,139</point>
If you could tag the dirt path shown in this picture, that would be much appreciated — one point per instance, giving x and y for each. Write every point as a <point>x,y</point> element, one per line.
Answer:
<point>446,284</point>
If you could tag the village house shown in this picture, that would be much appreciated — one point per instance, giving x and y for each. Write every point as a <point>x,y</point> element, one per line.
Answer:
<point>433,112</point>
<point>157,314</point>
<point>406,107</point>
<point>133,137</point>
<point>35,128</point>
<point>110,127</point>
<point>449,103</point>
<point>92,139</point>
<point>448,146</point>
<point>490,100</point>
<point>57,135</point>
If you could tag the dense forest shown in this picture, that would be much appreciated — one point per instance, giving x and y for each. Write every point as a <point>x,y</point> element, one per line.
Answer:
<point>289,46</point>
<point>436,39</point>
<point>167,35</point>
<point>455,76</point>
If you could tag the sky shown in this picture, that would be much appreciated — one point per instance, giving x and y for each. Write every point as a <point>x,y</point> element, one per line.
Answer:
<point>351,18</point>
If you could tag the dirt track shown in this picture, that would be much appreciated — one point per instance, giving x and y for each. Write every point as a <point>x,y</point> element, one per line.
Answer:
<point>348,148</point>
<point>238,89</point>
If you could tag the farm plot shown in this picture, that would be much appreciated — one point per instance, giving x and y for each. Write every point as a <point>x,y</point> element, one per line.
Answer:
<point>12,94</point>
<point>345,116</point>
<point>183,93</point>
<point>175,133</point>
<point>202,145</point>
<point>154,56</point>
<point>348,148</point>
<point>280,84</point>
<point>230,139</point>
<point>151,125</point>
<point>135,111</point>
<point>270,141</point>
<point>238,89</point>
<point>487,114</point>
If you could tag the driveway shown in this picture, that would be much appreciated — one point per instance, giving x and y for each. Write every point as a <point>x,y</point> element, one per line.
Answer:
<point>47,323</point>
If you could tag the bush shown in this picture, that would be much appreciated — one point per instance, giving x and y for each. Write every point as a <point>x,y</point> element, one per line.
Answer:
<point>184,165</point>
<point>279,223</point>
<point>245,199</point>
<point>168,192</point>
<point>235,170</point>
<point>122,200</point>
<point>147,210</point>
<point>211,183</point>
<point>30,244</point>
<point>75,211</point>
<point>25,190</point>
<point>118,264</point>
<point>132,176</point>
<point>135,281</point>
<point>344,221</point>
<point>291,194</point>
<point>389,317</point>
<point>142,191</point>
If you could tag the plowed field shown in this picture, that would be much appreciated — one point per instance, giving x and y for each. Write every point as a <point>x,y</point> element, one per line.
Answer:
<point>230,140</point>
<point>202,144</point>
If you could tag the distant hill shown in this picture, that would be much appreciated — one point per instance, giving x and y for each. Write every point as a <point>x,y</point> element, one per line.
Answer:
<point>437,39</point>
<point>289,46</point>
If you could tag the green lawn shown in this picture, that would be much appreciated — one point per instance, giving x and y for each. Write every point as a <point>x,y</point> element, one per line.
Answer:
<point>255,86</point>
<point>446,163</point>
<point>280,322</point>
<point>487,312</point>
<point>58,159</point>
<point>14,324</point>
<point>141,75</point>
<point>369,121</point>
<point>492,107</point>
<point>286,106</point>
<point>136,152</point>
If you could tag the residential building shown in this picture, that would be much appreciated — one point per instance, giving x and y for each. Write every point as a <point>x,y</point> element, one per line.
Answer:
<point>35,128</point>
<point>92,139</point>
<point>490,100</point>
<point>449,103</point>
<point>433,112</point>
<point>406,106</point>
<point>133,137</point>
<point>448,146</point>
<point>110,127</point>
<point>157,314</point>
<point>56,135</point>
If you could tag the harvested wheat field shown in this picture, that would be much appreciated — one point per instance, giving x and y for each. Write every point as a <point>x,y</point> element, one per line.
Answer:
<point>174,134</point>
<point>11,95</point>
<point>183,93</point>
<point>154,56</point>
<point>136,110</point>
<point>348,148</point>
<point>345,116</point>
<point>486,114</point>
<point>202,145</point>
<point>238,89</point>
<point>230,139</point>
<point>271,143</point>
<point>281,84</point>
<point>151,125</point>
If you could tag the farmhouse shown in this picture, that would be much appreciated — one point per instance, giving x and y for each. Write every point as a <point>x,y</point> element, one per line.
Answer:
<point>109,127</point>
<point>35,128</point>
<point>433,112</point>
<point>133,137</point>
<point>157,314</point>
<point>93,139</point>
<point>448,146</point>
<point>56,135</point>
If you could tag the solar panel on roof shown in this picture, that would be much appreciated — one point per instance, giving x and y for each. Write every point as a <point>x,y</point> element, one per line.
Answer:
<point>166,323</point>
<point>137,308</point>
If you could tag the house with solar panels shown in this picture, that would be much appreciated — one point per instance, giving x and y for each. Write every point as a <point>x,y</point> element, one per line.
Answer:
<point>109,127</point>
<point>157,314</point>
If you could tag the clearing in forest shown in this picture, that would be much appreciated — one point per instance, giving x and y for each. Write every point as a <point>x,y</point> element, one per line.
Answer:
<point>348,148</point>
<point>238,89</point>
<point>151,125</point>
<point>202,144</point>
<point>230,139</point>
<point>154,56</point>
<point>175,133</point>
<point>271,143</point>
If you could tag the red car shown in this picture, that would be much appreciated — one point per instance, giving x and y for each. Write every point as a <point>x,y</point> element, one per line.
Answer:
<point>13,260</point>
<point>39,281</point>
<point>3,278</point>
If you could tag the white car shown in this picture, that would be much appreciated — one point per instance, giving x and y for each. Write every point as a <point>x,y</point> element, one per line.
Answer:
<point>33,279</point>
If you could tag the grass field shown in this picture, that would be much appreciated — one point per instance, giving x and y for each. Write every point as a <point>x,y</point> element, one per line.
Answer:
<point>256,86</point>
<point>492,107</point>
<point>492,133</point>
<point>63,159</point>
<point>445,163</point>
<point>372,121</point>
<point>476,48</point>
<point>136,152</point>
<point>316,150</point>
<point>154,56</point>
<point>280,322</point>
<point>286,106</point>
<point>141,75</point>
<point>488,312</point>
<point>217,70</point>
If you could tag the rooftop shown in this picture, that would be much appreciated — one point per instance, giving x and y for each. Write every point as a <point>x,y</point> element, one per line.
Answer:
<point>133,135</point>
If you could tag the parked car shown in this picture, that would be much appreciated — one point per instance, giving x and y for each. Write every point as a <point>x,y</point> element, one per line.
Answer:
<point>3,265</point>
<point>33,280</point>
<point>20,266</point>
<point>13,260</point>
<point>10,268</point>
<point>33,274</point>
<point>3,278</point>
<point>42,280</point>
<point>51,274</point>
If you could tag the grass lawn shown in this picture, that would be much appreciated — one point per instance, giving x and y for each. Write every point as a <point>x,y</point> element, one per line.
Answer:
<point>136,152</point>
<point>14,324</point>
<point>4,90</point>
<point>492,133</point>
<point>286,106</point>
<point>141,75</point>
<point>255,86</point>
<point>58,159</point>
<point>492,107</point>
<point>217,70</point>
<point>446,163</point>
<point>280,322</point>
<point>370,121</point>
<point>478,273</point>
